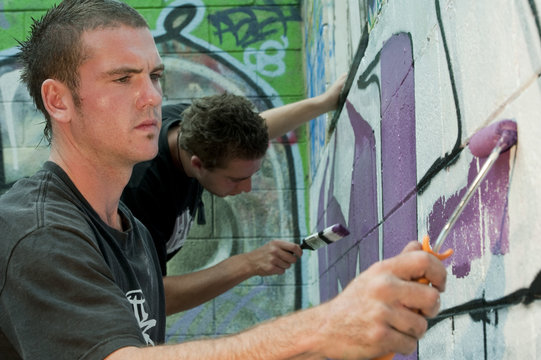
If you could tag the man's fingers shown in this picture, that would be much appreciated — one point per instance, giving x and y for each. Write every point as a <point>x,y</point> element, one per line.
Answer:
<point>283,264</point>
<point>408,322</point>
<point>424,298</point>
<point>276,256</point>
<point>415,265</point>
<point>397,330</point>
<point>407,327</point>
<point>412,246</point>
<point>286,246</point>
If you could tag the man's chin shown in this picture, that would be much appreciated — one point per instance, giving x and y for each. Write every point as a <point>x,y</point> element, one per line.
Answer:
<point>218,194</point>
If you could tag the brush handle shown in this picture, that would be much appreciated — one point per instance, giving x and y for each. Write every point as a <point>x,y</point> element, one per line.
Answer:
<point>305,246</point>
<point>474,185</point>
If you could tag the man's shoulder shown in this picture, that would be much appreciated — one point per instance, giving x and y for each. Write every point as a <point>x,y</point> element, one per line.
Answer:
<point>43,200</point>
<point>173,112</point>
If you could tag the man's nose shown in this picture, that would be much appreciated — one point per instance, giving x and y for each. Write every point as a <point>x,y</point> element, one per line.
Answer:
<point>150,94</point>
<point>245,185</point>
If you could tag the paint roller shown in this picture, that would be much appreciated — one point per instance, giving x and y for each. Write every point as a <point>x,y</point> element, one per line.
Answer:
<point>488,142</point>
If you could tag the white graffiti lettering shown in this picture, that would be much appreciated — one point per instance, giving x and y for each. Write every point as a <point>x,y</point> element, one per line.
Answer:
<point>137,299</point>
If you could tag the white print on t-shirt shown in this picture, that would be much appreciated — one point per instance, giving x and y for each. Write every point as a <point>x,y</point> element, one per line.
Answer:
<point>137,299</point>
<point>183,224</point>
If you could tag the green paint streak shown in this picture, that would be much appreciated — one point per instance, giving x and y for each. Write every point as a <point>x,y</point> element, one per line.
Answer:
<point>304,150</point>
<point>16,20</point>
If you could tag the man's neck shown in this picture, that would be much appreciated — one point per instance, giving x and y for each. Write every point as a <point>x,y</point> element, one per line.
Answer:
<point>100,187</point>
<point>181,157</point>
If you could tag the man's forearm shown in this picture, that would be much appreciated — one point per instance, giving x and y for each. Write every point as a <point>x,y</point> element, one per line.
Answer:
<point>183,292</point>
<point>281,120</point>
<point>187,291</point>
<point>288,337</point>
<point>380,311</point>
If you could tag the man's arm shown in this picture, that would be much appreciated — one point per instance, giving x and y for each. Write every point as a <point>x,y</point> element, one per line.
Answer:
<point>183,292</point>
<point>280,120</point>
<point>381,311</point>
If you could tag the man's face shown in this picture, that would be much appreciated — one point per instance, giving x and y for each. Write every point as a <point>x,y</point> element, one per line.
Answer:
<point>233,179</point>
<point>119,118</point>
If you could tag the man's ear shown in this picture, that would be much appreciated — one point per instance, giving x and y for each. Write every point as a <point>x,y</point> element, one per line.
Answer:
<point>196,162</point>
<point>57,100</point>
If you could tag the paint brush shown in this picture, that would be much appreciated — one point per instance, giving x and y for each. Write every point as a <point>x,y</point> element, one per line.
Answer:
<point>322,238</point>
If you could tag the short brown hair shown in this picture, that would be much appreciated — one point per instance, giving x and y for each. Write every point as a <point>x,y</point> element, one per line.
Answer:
<point>223,127</point>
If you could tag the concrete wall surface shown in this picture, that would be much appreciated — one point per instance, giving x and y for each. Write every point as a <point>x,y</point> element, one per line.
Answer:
<point>428,76</point>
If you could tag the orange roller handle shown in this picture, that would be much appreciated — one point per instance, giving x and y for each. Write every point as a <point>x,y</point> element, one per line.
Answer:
<point>386,357</point>
<point>426,247</point>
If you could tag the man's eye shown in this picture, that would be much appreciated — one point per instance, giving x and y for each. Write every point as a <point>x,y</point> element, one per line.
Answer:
<point>123,79</point>
<point>156,76</point>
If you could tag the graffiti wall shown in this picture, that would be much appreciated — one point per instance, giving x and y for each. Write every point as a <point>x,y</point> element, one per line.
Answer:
<point>328,56</point>
<point>430,75</point>
<point>251,48</point>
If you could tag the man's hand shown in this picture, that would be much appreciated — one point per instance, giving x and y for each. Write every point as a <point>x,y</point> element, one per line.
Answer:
<point>281,120</point>
<point>332,95</point>
<point>383,310</point>
<point>275,257</point>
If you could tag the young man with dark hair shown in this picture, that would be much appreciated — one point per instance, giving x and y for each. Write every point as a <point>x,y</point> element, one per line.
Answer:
<point>80,276</point>
<point>216,143</point>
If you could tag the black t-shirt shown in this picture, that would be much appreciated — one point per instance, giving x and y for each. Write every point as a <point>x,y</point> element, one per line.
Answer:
<point>72,287</point>
<point>162,196</point>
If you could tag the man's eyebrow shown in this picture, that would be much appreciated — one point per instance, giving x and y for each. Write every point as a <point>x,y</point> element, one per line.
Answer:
<point>123,70</point>
<point>232,178</point>
<point>160,67</point>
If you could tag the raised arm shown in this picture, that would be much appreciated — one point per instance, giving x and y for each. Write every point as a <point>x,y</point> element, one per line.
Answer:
<point>383,310</point>
<point>183,292</point>
<point>282,119</point>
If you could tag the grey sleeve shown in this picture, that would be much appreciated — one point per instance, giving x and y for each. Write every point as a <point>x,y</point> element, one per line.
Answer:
<point>59,300</point>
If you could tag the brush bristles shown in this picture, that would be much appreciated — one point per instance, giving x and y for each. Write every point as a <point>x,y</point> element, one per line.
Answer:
<point>340,230</point>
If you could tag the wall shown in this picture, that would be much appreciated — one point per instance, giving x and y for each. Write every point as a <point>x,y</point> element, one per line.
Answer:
<point>426,76</point>
<point>246,47</point>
